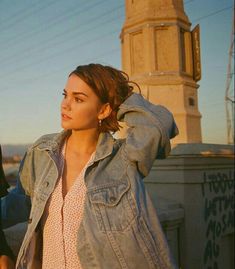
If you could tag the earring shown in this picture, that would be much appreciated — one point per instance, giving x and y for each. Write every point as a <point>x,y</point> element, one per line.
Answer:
<point>100,123</point>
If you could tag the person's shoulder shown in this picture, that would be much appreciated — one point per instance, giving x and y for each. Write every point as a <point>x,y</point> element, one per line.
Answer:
<point>44,139</point>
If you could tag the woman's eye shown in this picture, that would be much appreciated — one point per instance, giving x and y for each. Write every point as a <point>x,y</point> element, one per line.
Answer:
<point>64,94</point>
<point>78,100</point>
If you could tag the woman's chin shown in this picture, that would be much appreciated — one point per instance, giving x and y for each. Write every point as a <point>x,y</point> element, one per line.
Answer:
<point>65,126</point>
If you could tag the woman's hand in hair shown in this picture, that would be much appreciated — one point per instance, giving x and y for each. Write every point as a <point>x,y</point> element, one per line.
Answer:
<point>6,262</point>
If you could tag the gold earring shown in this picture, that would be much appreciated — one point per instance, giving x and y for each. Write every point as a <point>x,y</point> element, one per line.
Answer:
<point>100,123</point>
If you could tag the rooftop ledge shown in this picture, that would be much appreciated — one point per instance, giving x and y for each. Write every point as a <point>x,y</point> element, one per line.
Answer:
<point>202,149</point>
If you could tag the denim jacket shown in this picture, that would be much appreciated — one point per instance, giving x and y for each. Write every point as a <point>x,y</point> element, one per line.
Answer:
<point>120,227</point>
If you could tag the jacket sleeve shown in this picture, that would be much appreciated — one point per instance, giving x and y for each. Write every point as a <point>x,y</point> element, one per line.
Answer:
<point>4,248</point>
<point>17,204</point>
<point>150,129</point>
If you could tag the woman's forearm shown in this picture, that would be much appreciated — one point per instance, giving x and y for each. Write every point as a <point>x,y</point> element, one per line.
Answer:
<point>150,129</point>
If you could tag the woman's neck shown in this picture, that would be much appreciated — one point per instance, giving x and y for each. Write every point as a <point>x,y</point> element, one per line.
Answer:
<point>83,141</point>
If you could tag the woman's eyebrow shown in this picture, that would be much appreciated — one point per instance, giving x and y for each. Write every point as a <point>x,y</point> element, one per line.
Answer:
<point>77,93</point>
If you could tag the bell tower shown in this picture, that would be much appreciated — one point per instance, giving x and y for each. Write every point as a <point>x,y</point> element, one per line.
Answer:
<point>161,54</point>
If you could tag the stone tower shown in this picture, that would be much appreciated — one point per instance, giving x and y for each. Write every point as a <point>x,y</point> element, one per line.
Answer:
<point>157,53</point>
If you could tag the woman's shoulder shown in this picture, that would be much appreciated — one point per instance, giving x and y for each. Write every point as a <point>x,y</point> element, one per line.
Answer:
<point>44,140</point>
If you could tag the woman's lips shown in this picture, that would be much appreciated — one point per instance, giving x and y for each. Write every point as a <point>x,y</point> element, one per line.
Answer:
<point>65,117</point>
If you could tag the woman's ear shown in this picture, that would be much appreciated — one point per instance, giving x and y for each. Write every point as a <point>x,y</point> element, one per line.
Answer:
<point>105,111</point>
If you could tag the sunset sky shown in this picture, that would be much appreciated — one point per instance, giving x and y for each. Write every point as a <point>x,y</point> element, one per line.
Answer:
<point>42,41</point>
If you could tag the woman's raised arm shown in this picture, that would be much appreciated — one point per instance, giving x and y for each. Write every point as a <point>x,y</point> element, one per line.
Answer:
<point>150,129</point>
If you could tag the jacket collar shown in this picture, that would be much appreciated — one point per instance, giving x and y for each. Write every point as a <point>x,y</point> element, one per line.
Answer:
<point>104,146</point>
<point>103,149</point>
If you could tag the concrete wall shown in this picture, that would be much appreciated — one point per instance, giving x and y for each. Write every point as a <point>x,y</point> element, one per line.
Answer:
<point>200,179</point>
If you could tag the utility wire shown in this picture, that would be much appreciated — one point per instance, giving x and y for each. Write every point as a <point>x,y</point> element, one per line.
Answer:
<point>71,48</point>
<point>211,104</point>
<point>18,13</point>
<point>65,41</point>
<point>25,52</point>
<point>24,15</point>
<point>187,2</point>
<point>212,14</point>
<point>54,22</point>
<point>52,56</point>
<point>56,44</point>
<point>58,71</point>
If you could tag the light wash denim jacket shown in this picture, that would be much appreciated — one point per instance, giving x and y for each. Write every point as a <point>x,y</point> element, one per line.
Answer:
<point>120,228</point>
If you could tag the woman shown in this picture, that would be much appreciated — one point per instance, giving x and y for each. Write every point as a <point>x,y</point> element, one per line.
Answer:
<point>6,255</point>
<point>89,207</point>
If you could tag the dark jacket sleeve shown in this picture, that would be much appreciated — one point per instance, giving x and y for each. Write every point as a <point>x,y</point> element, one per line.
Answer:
<point>4,248</point>
<point>150,129</point>
<point>16,205</point>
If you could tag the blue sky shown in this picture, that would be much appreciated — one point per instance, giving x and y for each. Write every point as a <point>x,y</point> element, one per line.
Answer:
<point>42,41</point>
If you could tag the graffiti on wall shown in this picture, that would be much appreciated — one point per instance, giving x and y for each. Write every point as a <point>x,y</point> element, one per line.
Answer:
<point>218,195</point>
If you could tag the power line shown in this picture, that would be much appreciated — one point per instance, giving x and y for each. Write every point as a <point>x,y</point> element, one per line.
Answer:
<point>55,72</point>
<point>52,56</point>
<point>65,32</point>
<point>19,13</point>
<point>187,2</point>
<point>206,16</point>
<point>25,52</point>
<point>211,104</point>
<point>60,53</point>
<point>55,44</point>
<point>22,16</point>
<point>212,14</point>
<point>69,14</point>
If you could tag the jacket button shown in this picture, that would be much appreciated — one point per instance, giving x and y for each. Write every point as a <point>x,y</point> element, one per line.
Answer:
<point>112,199</point>
<point>46,184</point>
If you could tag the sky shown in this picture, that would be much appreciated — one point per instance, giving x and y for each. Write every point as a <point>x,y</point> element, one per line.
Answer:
<point>42,41</point>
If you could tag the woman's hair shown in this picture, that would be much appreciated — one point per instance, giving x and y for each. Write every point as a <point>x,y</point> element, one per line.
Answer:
<point>110,85</point>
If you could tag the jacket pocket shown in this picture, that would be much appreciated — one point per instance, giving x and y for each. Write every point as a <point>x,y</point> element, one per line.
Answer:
<point>114,206</point>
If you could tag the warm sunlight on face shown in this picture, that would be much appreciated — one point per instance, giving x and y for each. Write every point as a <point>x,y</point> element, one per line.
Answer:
<point>80,106</point>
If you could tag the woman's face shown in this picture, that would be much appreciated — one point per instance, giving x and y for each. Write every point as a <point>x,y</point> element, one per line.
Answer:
<point>80,107</point>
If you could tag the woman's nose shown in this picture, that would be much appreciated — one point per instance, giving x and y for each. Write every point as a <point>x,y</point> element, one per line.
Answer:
<point>66,104</point>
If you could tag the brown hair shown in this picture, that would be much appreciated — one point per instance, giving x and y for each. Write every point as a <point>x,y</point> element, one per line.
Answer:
<point>110,85</point>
